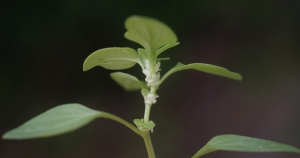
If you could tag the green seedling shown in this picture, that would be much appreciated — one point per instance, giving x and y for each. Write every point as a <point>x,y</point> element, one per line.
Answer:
<point>155,37</point>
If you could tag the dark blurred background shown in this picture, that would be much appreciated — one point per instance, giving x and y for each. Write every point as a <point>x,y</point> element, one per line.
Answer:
<point>44,43</point>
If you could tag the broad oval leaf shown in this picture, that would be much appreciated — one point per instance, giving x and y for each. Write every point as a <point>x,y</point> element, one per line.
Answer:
<point>112,58</point>
<point>58,120</point>
<point>229,142</point>
<point>207,68</point>
<point>127,81</point>
<point>149,32</point>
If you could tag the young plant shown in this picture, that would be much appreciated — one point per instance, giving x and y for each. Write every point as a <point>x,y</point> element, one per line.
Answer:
<point>155,38</point>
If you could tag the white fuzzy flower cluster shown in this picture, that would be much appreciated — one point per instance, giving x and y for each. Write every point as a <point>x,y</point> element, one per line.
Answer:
<point>152,79</point>
<point>151,99</point>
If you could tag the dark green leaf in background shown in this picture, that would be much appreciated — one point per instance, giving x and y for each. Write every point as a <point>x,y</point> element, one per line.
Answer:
<point>128,82</point>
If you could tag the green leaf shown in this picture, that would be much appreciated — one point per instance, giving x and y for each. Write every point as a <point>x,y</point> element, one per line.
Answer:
<point>148,32</point>
<point>58,120</point>
<point>144,126</point>
<point>243,144</point>
<point>126,81</point>
<point>142,55</point>
<point>112,59</point>
<point>145,92</point>
<point>164,48</point>
<point>207,68</point>
<point>61,119</point>
<point>162,59</point>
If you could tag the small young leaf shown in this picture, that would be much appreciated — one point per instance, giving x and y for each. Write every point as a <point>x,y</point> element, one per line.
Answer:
<point>162,59</point>
<point>112,59</point>
<point>138,121</point>
<point>148,32</point>
<point>238,143</point>
<point>145,92</point>
<point>128,82</point>
<point>207,68</point>
<point>144,126</point>
<point>164,48</point>
<point>58,120</point>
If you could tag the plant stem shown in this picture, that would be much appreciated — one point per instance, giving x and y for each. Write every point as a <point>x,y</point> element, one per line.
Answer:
<point>148,143</point>
<point>147,112</point>
<point>148,106</point>
<point>120,120</point>
<point>144,134</point>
